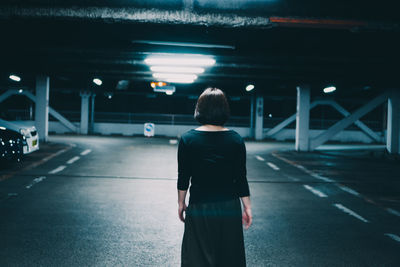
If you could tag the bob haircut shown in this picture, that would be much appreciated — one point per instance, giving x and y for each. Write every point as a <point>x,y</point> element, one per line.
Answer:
<point>212,107</point>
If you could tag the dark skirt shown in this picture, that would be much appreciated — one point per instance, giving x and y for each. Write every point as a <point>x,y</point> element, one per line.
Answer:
<point>213,235</point>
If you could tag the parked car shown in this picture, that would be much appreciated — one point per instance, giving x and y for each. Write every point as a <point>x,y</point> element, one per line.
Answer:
<point>27,130</point>
<point>12,145</point>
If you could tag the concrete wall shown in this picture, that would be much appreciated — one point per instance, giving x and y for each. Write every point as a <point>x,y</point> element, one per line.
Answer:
<point>176,130</point>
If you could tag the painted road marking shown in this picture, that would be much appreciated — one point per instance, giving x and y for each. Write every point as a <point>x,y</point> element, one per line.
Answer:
<point>273,166</point>
<point>173,141</point>
<point>260,158</point>
<point>350,212</point>
<point>349,190</point>
<point>85,152</point>
<point>317,176</point>
<point>35,181</point>
<point>73,160</point>
<point>315,191</point>
<point>12,194</point>
<point>393,236</point>
<point>58,169</point>
<point>394,212</point>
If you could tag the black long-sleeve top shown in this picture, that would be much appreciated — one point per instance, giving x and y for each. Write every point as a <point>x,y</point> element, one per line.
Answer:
<point>215,165</point>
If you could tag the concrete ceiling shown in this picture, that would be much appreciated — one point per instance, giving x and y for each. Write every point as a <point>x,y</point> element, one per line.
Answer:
<point>275,44</point>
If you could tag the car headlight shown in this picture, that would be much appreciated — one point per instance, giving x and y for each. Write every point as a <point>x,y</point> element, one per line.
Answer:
<point>24,132</point>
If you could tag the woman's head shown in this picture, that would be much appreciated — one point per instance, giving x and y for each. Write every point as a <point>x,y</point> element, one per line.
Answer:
<point>212,107</point>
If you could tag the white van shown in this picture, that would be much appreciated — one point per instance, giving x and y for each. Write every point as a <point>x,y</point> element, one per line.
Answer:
<point>26,129</point>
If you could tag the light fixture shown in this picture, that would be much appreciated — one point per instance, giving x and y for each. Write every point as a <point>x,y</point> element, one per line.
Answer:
<point>97,81</point>
<point>160,75</point>
<point>180,60</point>
<point>15,78</point>
<point>20,91</point>
<point>249,87</point>
<point>329,89</point>
<point>109,95</point>
<point>169,92</point>
<point>194,70</point>
<point>176,80</point>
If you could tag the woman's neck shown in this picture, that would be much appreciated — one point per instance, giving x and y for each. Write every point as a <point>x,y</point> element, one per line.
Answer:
<point>210,127</point>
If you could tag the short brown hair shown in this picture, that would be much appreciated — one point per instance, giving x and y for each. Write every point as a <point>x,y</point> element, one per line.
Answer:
<point>212,107</point>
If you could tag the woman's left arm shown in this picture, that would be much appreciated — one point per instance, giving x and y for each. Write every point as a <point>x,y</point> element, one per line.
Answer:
<point>182,204</point>
<point>184,174</point>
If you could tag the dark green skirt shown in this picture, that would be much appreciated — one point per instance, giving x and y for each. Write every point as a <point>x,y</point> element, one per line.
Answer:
<point>213,235</point>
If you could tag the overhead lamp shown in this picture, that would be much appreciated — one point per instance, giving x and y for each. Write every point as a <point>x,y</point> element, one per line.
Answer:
<point>97,81</point>
<point>177,60</point>
<point>194,70</point>
<point>109,95</point>
<point>329,89</point>
<point>169,92</point>
<point>160,75</point>
<point>249,87</point>
<point>176,80</point>
<point>15,78</point>
<point>20,91</point>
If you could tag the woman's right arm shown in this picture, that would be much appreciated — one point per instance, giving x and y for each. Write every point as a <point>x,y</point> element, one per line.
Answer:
<point>243,187</point>
<point>184,174</point>
<point>247,217</point>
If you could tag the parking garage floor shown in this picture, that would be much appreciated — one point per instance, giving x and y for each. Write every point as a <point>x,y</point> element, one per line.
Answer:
<point>111,201</point>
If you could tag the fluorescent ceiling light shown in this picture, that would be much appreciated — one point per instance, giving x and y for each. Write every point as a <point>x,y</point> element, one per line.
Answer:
<point>329,89</point>
<point>170,69</point>
<point>161,75</point>
<point>172,80</point>
<point>177,60</point>
<point>14,77</point>
<point>249,87</point>
<point>20,91</point>
<point>97,81</point>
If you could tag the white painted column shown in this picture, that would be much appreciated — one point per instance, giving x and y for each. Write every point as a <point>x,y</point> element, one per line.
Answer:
<point>84,112</point>
<point>259,118</point>
<point>393,124</point>
<point>302,118</point>
<point>252,104</point>
<point>92,113</point>
<point>42,107</point>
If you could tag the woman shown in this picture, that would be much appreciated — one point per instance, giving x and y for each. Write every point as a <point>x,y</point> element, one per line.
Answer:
<point>213,159</point>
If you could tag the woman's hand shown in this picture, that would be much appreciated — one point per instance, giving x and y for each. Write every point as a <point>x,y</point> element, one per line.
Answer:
<point>247,218</point>
<point>181,209</point>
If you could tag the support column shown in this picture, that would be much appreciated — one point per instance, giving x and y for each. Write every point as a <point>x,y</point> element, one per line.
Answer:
<point>259,120</point>
<point>84,112</point>
<point>92,113</point>
<point>42,107</point>
<point>393,124</point>
<point>252,104</point>
<point>303,118</point>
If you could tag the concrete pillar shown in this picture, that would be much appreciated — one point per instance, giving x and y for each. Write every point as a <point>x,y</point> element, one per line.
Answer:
<point>252,105</point>
<point>302,118</point>
<point>393,124</point>
<point>92,113</point>
<point>84,112</point>
<point>42,107</point>
<point>259,118</point>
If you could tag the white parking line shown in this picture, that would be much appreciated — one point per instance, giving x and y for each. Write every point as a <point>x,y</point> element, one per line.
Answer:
<point>349,190</point>
<point>85,152</point>
<point>58,169</point>
<point>393,236</point>
<point>260,158</point>
<point>350,212</point>
<point>273,166</point>
<point>317,176</point>
<point>35,181</point>
<point>315,191</point>
<point>394,212</point>
<point>73,159</point>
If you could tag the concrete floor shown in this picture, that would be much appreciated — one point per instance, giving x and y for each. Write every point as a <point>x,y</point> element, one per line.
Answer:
<point>116,205</point>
